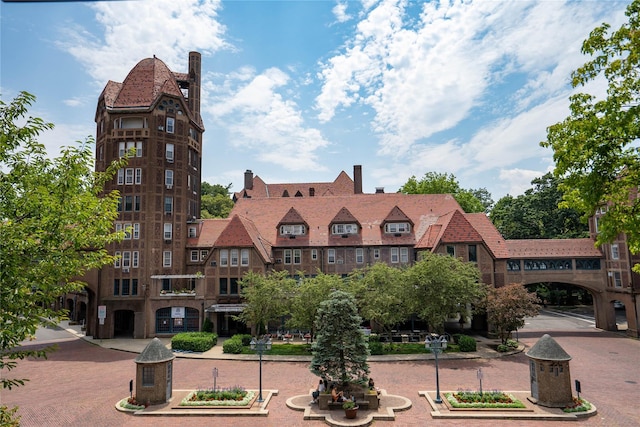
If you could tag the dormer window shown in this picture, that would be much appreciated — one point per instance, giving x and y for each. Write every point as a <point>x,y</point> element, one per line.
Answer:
<point>397,227</point>
<point>292,230</point>
<point>344,229</point>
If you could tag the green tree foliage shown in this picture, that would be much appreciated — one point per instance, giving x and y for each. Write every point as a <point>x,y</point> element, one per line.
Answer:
<point>340,351</point>
<point>595,148</point>
<point>441,286</point>
<point>215,201</point>
<point>443,183</point>
<point>507,307</point>
<point>380,291</point>
<point>308,295</point>
<point>537,213</point>
<point>267,297</point>
<point>54,225</point>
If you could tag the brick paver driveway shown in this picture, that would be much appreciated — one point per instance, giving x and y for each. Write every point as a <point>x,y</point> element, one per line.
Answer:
<point>80,383</point>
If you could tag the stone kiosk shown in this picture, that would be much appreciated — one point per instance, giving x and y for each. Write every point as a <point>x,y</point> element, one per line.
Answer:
<point>154,373</point>
<point>550,376</point>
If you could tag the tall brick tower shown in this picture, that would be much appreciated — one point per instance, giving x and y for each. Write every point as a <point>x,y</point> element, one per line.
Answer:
<point>154,113</point>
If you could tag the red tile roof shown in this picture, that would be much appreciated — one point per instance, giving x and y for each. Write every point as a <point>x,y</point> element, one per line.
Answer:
<point>143,87</point>
<point>368,209</point>
<point>342,185</point>
<point>145,82</point>
<point>210,230</point>
<point>549,248</point>
<point>241,232</point>
<point>458,229</point>
<point>490,234</point>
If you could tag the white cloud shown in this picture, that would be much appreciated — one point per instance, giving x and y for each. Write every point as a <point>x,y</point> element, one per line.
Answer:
<point>340,11</point>
<point>519,180</point>
<point>260,120</point>
<point>132,31</point>
<point>427,76</point>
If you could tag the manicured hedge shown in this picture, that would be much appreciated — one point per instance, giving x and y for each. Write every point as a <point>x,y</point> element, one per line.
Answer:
<point>194,341</point>
<point>233,345</point>
<point>466,343</point>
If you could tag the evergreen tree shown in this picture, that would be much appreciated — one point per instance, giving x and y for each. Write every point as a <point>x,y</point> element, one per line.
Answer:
<point>340,351</point>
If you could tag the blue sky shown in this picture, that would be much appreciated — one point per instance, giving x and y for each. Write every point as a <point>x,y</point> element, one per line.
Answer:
<point>298,91</point>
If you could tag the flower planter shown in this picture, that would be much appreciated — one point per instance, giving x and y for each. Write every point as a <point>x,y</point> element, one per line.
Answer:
<point>351,413</point>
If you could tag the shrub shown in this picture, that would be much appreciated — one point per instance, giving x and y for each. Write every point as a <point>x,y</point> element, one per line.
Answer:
<point>375,347</point>
<point>194,341</point>
<point>502,348</point>
<point>513,344</point>
<point>207,325</point>
<point>245,338</point>
<point>466,343</point>
<point>233,345</point>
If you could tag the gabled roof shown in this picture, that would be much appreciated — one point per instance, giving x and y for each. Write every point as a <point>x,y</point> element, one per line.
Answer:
<point>369,210</point>
<point>458,229</point>
<point>292,217</point>
<point>396,215</point>
<point>344,216</point>
<point>241,232</point>
<point>342,185</point>
<point>547,248</point>
<point>490,234</point>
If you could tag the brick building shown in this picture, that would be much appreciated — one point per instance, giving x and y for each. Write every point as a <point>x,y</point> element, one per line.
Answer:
<point>175,269</point>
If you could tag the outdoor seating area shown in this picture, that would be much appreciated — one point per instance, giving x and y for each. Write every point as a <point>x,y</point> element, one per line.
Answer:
<point>290,336</point>
<point>405,336</point>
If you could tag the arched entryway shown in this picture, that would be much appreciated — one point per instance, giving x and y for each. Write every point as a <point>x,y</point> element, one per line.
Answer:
<point>123,323</point>
<point>172,320</point>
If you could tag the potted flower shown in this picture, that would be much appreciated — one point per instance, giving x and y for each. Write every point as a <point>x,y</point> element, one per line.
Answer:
<point>350,409</point>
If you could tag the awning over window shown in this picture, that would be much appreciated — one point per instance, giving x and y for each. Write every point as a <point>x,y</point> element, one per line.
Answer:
<point>226,308</point>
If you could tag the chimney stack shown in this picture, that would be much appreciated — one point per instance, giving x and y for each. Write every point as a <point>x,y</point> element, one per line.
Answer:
<point>248,180</point>
<point>379,190</point>
<point>357,179</point>
<point>194,85</point>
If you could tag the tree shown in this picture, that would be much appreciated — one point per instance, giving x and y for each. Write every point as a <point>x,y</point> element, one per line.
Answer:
<point>308,295</point>
<point>340,351</point>
<point>443,183</point>
<point>441,286</point>
<point>507,307</point>
<point>55,222</point>
<point>537,215</point>
<point>265,297</point>
<point>215,201</point>
<point>381,295</point>
<point>595,147</point>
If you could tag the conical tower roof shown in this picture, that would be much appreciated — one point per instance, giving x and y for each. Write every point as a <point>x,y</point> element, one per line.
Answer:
<point>548,349</point>
<point>155,352</point>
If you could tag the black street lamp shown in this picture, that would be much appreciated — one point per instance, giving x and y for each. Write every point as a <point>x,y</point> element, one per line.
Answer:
<point>260,346</point>
<point>437,344</point>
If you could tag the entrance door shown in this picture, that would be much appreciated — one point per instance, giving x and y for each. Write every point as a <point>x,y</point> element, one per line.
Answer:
<point>123,323</point>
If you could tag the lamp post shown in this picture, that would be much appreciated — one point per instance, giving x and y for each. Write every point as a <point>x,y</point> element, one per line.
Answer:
<point>260,346</point>
<point>437,344</point>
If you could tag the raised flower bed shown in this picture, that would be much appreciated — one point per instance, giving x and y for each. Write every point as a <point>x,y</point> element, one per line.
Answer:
<point>224,398</point>
<point>485,400</point>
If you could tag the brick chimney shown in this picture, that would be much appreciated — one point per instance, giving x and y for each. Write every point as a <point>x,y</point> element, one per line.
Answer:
<point>357,179</point>
<point>248,180</point>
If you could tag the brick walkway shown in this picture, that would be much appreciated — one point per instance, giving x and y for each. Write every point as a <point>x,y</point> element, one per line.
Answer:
<point>80,383</point>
